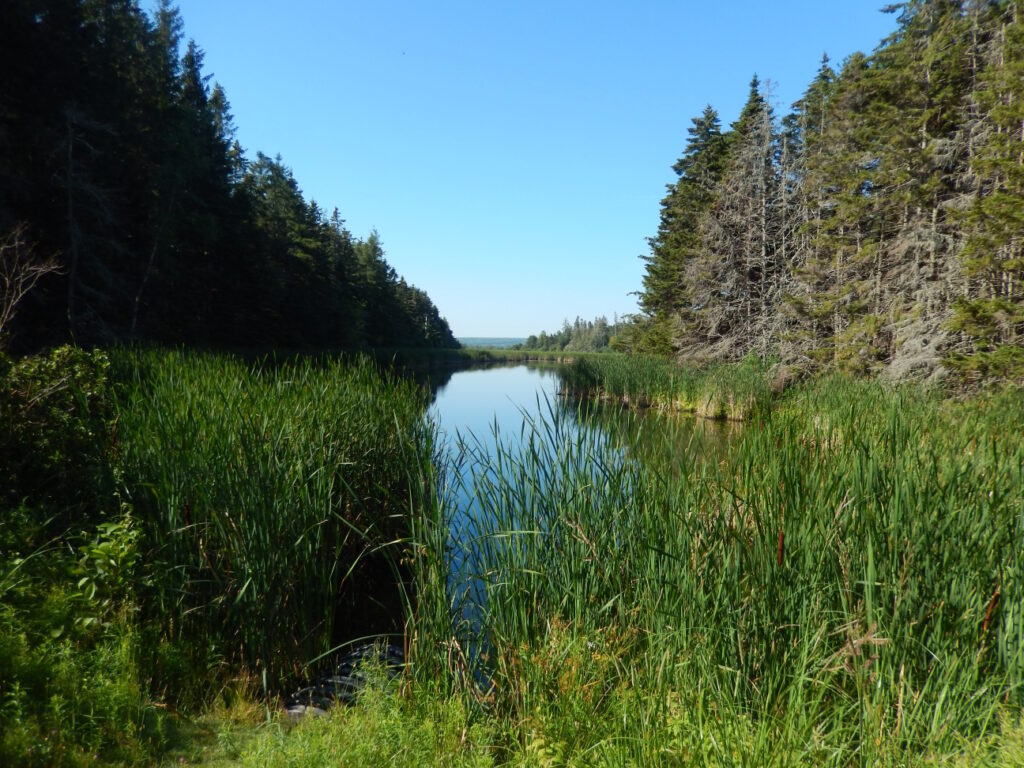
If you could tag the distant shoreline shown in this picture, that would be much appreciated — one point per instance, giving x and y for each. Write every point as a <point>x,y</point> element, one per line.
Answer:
<point>490,342</point>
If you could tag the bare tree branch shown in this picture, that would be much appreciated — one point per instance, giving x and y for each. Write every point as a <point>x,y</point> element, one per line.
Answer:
<point>19,272</point>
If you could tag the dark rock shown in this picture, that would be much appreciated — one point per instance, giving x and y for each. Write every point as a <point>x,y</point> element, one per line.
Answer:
<point>342,683</point>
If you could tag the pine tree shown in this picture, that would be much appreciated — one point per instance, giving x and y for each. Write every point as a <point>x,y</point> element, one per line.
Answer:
<point>666,295</point>
<point>989,318</point>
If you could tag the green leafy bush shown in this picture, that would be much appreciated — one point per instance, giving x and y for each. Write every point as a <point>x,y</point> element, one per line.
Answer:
<point>58,441</point>
<point>70,690</point>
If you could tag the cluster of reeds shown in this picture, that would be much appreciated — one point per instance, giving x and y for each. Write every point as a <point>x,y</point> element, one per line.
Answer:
<point>733,392</point>
<point>264,490</point>
<point>843,583</point>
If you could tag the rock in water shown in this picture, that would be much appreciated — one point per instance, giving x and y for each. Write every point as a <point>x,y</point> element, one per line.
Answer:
<point>344,682</point>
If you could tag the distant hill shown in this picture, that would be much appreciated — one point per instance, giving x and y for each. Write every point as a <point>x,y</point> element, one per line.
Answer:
<point>498,342</point>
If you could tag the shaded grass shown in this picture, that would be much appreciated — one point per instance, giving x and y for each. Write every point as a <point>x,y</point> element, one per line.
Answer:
<point>267,493</point>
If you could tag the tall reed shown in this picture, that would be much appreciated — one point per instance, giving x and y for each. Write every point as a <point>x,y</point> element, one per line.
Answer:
<point>843,584</point>
<point>735,392</point>
<point>264,489</point>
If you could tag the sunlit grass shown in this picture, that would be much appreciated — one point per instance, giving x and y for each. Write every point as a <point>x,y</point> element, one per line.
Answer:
<point>844,584</point>
<point>734,392</point>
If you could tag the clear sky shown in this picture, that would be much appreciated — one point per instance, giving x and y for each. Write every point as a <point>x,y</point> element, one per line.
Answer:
<point>511,155</point>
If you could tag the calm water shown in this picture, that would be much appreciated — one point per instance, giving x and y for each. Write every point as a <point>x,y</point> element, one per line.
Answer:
<point>472,402</point>
<point>477,405</point>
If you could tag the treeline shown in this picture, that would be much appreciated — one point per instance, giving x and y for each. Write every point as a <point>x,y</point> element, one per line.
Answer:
<point>124,190</point>
<point>581,336</point>
<point>876,228</point>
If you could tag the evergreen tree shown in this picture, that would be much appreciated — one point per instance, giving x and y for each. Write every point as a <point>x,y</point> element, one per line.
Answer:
<point>807,188</point>
<point>880,230</point>
<point>119,159</point>
<point>665,298</point>
<point>739,270</point>
<point>989,317</point>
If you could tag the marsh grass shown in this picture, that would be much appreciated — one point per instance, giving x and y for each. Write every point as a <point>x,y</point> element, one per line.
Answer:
<point>838,582</point>
<point>269,492</point>
<point>843,585</point>
<point>732,392</point>
<point>384,728</point>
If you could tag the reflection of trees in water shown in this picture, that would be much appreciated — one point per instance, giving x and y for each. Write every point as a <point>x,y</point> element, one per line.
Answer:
<point>436,379</point>
<point>663,440</point>
<point>669,441</point>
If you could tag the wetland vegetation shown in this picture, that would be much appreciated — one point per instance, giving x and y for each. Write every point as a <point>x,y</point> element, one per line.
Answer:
<point>776,519</point>
<point>836,582</point>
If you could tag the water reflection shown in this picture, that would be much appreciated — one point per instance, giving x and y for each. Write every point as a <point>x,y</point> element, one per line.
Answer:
<point>667,442</point>
<point>473,410</point>
<point>521,406</point>
<point>473,401</point>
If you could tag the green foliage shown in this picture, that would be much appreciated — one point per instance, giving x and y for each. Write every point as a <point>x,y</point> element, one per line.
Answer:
<point>269,496</point>
<point>70,689</point>
<point>667,286</point>
<point>69,699</point>
<point>382,729</point>
<point>580,336</point>
<point>792,600</point>
<point>56,445</point>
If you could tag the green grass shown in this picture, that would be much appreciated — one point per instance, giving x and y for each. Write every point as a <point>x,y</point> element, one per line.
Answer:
<point>842,586</point>
<point>733,392</point>
<point>837,582</point>
<point>385,728</point>
<point>264,490</point>
<point>172,520</point>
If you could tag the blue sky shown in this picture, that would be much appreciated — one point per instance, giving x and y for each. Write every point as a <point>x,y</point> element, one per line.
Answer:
<point>511,155</point>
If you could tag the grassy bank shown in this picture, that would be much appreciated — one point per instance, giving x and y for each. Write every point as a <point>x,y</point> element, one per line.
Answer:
<point>174,521</point>
<point>839,583</point>
<point>733,392</point>
<point>263,492</point>
<point>844,586</point>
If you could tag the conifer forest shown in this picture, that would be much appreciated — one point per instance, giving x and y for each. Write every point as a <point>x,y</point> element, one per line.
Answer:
<point>877,228</point>
<point>122,181</point>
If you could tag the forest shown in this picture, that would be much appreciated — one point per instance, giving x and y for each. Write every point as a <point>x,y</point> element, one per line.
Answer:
<point>877,228</point>
<point>595,335</point>
<point>129,212</point>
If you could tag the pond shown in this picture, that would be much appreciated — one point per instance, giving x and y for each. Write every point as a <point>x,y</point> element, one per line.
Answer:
<point>474,401</point>
<point>520,408</point>
<point>479,402</point>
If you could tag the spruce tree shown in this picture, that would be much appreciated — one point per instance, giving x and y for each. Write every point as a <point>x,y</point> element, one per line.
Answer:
<point>666,297</point>
<point>739,272</point>
<point>989,317</point>
<point>806,152</point>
